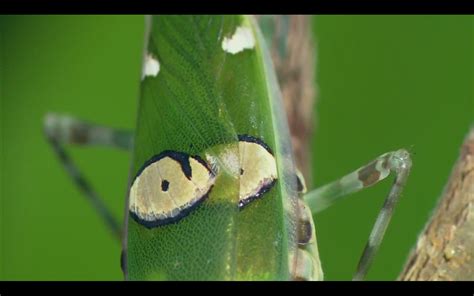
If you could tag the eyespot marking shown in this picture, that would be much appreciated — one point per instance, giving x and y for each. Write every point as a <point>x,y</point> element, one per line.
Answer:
<point>258,172</point>
<point>168,187</point>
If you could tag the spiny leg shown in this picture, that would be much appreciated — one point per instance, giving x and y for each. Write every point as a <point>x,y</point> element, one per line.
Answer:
<point>398,162</point>
<point>61,130</point>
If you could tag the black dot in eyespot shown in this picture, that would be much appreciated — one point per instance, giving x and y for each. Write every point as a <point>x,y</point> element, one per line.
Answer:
<point>164,185</point>
<point>241,171</point>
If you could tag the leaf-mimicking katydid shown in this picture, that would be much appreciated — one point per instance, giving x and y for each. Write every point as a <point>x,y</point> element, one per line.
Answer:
<point>213,192</point>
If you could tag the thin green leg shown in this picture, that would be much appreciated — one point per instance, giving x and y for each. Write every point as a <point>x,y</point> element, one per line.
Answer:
<point>63,130</point>
<point>398,162</point>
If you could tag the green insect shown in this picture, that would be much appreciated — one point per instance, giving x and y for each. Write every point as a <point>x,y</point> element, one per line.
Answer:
<point>213,192</point>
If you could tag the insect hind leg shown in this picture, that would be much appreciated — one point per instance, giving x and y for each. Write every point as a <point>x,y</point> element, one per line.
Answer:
<point>397,162</point>
<point>63,130</point>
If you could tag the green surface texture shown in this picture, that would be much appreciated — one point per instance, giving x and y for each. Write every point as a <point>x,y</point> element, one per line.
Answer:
<point>384,82</point>
<point>202,99</point>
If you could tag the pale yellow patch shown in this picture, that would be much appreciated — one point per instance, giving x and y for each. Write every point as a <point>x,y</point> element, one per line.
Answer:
<point>150,202</point>
<point>231,162</point>
<point>258,167</point>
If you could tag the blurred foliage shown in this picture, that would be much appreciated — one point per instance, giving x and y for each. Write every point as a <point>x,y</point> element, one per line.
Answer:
<point>387,82</point>
<point>384,82</point>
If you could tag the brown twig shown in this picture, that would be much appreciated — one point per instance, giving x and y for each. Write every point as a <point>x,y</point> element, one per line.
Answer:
<point>296,76</point>
<point>445,249</point>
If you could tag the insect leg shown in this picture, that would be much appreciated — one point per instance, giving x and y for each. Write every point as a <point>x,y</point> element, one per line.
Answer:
<point>62,130</point>
<point>69,130</point>
<point>398,162</point>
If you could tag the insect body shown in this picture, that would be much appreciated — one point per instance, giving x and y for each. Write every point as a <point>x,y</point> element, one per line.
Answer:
<point>214,193</point>
<point>233,214</point>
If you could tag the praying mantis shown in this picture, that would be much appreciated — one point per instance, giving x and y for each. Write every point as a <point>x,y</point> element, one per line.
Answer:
<point>213,192</point>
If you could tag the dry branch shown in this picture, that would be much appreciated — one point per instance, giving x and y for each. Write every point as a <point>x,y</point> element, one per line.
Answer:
<point>445,249</point>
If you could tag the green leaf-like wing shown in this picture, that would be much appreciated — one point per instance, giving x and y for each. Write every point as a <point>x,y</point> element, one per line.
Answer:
<point>208,80</point>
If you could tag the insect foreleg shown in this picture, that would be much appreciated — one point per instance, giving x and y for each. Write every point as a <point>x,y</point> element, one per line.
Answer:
<point>63,130</point>
<point>70,130</point>
<point>398,162</point>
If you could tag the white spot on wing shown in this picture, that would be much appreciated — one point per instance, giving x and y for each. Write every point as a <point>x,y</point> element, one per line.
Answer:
<point>241,40</point>
<point>151,67</point>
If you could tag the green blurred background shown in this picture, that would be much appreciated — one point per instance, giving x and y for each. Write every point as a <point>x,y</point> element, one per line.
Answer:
<point>384,82</point>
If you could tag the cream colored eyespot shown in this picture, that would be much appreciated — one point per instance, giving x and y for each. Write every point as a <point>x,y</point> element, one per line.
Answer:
<point>168,187</point>
<point>258,172</point>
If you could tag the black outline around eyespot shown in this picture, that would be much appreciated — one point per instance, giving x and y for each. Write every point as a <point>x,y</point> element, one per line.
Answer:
<point>251,139</point>
<point>183,159</point>
<point>262,191</point>
<point>170,220</point>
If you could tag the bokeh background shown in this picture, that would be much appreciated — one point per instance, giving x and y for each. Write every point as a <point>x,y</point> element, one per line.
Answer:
<point>384,82</point>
